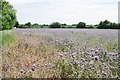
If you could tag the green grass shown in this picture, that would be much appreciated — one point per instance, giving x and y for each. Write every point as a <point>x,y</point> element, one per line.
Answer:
<point>6,37</point>
<point>111,46</point>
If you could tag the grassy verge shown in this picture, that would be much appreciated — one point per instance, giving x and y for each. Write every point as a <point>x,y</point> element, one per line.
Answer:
<point>6,37</point>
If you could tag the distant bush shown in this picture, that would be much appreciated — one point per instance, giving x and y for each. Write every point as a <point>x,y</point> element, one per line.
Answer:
<point>29,25</point>
<point>71,26</point>
<point>63,25</point>
<point>55,25</point>
<point>108,25</point>
<point>104,25</point>
<point>115,26</point>
<point>36,25</point>
<point>81,25</point>
<point>40,25</point>
<point>26,25</point>
<point>118,26</point>
<point>74,24</point>
<point>91,26</point>
<point>17,24</point>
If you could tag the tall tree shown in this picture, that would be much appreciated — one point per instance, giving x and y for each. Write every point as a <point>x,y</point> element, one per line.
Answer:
<point>8,15</point>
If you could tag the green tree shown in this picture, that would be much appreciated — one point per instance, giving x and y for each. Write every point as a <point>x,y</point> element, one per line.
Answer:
<point>55,25</point>
<point>35,25</point>
<point>105,25</point>
<point>17,24</point>
<point>8,15</point>
<point>90,26</point>
<point>81,25</point>
<point>118,26</point>
<point>28,25</point>
<point>63,25</point>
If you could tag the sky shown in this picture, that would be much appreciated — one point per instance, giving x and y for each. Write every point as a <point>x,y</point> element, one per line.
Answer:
<point>65,11</point>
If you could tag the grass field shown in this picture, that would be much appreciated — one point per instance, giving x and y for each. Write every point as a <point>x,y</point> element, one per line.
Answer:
<point>61,53</point>
<point>7,37</point>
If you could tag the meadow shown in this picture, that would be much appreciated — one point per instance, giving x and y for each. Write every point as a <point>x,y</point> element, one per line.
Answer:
<point>60,53</point>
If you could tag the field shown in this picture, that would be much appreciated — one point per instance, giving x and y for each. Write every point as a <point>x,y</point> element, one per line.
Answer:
<point>61,53</point>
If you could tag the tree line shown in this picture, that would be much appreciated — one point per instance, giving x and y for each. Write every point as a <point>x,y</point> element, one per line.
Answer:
<point>102,25</point>
<point>8,21</point>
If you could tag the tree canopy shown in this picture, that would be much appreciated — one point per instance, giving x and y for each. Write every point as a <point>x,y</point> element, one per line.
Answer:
<point>8,17</point>
<point>55,25</point>
<point>81,25</point>
<point>108,25</point>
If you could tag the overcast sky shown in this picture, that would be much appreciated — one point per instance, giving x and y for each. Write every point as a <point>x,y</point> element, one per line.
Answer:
<point>65,11</point>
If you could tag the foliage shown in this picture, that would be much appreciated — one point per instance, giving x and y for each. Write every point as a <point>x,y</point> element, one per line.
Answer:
<point>63,25</point>
<point>28,24</point>
<point>90,26</point>
<point>36,25</point>
<point>17,24</point>
<point>108,25</point>
<point>81,25</point>
<point>55,25</point>
<point>70,26</point>
<point>8,15</point>
<point>102,25</point>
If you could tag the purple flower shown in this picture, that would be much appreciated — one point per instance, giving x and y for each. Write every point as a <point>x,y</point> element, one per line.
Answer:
<point>30,71</point>
<point>21,70</point>
<point>34,65</point>
<point>91,62</point>
<point>96,58</point>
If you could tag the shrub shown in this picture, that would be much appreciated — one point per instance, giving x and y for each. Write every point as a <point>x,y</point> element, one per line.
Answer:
<point>81,25</point>
<point>108,25</point>
<point>63,25</point>
<point>55,25</point>
<point>29,25</point>
<point>17,25</point>
<point>104,25</point>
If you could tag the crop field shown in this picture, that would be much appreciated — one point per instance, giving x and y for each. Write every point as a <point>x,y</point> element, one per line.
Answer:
<point>61,53</point>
